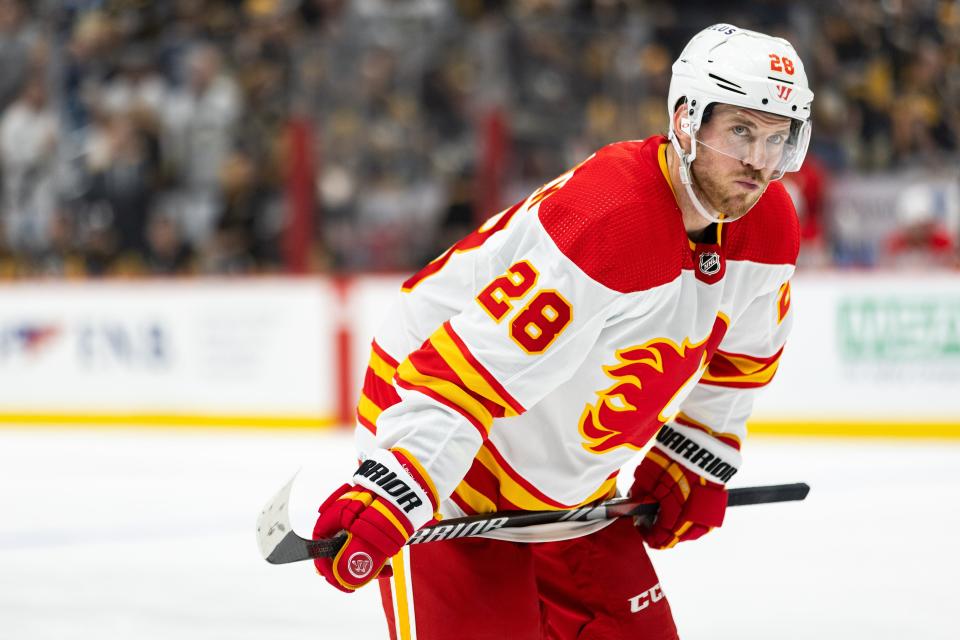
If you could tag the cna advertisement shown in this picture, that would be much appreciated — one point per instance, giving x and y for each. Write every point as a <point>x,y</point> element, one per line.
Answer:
<point>190,350</point>
<point>866,350</point>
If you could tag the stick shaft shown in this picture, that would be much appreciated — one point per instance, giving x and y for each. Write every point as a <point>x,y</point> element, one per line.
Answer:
<point>293,548</point>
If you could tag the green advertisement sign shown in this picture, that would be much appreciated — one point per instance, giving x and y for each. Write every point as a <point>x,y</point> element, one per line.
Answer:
<point>899,329</point>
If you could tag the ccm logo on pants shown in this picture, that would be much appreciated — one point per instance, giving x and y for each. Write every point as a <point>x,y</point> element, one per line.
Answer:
<point>642,601</point>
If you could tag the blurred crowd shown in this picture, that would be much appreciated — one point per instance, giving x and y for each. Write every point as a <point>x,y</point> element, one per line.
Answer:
<point>143,137</point>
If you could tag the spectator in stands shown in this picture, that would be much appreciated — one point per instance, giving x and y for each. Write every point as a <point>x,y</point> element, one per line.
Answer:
<point>399,98</point>
<point>244,240</point>
<point>85,64</point>
<point>921,127</point>
<point>921,239</point>
<point>28,139</point>
<point>124,180</point>
<point>199,124</point>
<point>20,44</point>
<point>63,256</point>
<point>167,253</point>
<point>136,87</point>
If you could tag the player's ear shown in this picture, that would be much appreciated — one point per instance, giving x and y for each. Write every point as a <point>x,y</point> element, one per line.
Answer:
<point>681,125</point>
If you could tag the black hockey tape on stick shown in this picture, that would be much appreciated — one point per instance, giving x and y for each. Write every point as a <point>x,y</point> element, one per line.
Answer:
<point>279,544</point>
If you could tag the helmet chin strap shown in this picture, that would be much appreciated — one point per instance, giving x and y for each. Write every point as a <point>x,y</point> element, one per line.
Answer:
<point>687,179</point>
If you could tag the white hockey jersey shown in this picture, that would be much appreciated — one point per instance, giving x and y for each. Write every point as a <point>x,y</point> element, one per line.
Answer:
<point>530,362</point>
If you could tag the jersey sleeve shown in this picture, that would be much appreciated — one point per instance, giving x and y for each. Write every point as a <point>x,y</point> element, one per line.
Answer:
<point>518,337</point>
<point>745,361</point>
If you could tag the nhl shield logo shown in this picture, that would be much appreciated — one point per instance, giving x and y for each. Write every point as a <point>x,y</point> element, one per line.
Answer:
<point>709,263</point>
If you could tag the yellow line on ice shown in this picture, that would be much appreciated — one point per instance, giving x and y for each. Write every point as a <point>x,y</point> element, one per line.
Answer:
<point>928,429</point>
<point>922,429</point>
<point>184,420</point>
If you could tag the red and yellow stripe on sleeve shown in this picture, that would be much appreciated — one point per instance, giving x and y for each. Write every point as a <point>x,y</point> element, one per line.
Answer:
<point>445,370</point>
<point>740,370</point>
<point>730,439</point>
<point>492,485</point>
<point>378,392</point>
<point>420,475</point>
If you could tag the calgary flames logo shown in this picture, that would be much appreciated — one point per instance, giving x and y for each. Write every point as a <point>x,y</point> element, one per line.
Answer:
<point>648,381</point>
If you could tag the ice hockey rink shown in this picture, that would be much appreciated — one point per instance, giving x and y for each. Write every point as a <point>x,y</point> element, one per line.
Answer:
<point>144,533</point>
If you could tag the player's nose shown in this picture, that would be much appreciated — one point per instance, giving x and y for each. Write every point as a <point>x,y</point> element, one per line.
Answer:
<point>755,156</point>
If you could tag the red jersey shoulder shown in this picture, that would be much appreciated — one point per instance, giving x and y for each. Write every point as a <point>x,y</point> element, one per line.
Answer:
<point>769,233</point>
<point>617,220</point>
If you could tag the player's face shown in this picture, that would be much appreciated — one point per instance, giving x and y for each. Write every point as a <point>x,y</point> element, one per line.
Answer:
<point>738,152</point>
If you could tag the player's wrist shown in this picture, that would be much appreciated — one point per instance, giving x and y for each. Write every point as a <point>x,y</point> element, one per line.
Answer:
<point>400,485</point>
<point>698,452</point>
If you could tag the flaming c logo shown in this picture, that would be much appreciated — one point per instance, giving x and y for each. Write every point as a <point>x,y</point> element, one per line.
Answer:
<point>647,379</point>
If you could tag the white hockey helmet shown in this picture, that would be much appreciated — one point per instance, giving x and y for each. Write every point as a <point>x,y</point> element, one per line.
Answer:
<point>729,65</point>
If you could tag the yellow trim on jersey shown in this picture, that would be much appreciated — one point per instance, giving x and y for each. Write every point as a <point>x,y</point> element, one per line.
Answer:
<point>510,488</point>
<point>745,364</point>
<point>367,409</point>
<point>607,490</point>
<point>448,390</point>
<point>386,513</point>
<point>381,367</point>
<point>448,255</point>
<point>520,496</point>
<point>759,377</point>
<point>665,170</point>
<point>474,381</point>
<point>711,432</point>
<point>477,501</point>
<point>400,583</point>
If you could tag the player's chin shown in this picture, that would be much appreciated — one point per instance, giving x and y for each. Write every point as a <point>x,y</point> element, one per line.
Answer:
<point>736,208</point>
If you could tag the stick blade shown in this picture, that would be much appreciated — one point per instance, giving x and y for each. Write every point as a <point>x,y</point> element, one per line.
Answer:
<point>275,537</point>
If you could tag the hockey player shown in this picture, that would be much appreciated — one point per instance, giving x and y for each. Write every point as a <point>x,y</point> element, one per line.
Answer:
<point>623,302</point>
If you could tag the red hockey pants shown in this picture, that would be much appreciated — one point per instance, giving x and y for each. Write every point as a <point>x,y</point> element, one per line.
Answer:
<point>597,587</point>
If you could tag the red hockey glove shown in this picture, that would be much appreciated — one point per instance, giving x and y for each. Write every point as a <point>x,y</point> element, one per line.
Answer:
<point>390,499</point>
<point>685,472</point>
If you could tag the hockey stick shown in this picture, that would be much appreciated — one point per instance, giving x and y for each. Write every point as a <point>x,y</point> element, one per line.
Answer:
<point>279,544</point>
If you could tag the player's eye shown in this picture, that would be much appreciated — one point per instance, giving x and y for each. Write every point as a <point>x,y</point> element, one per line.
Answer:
<point>740,130</point>
<point>777,138</point>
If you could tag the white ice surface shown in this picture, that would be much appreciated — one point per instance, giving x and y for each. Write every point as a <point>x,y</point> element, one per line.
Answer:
<point>144,535</point>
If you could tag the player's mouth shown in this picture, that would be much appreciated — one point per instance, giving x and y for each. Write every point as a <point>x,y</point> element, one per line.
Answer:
<point>749,185</point>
